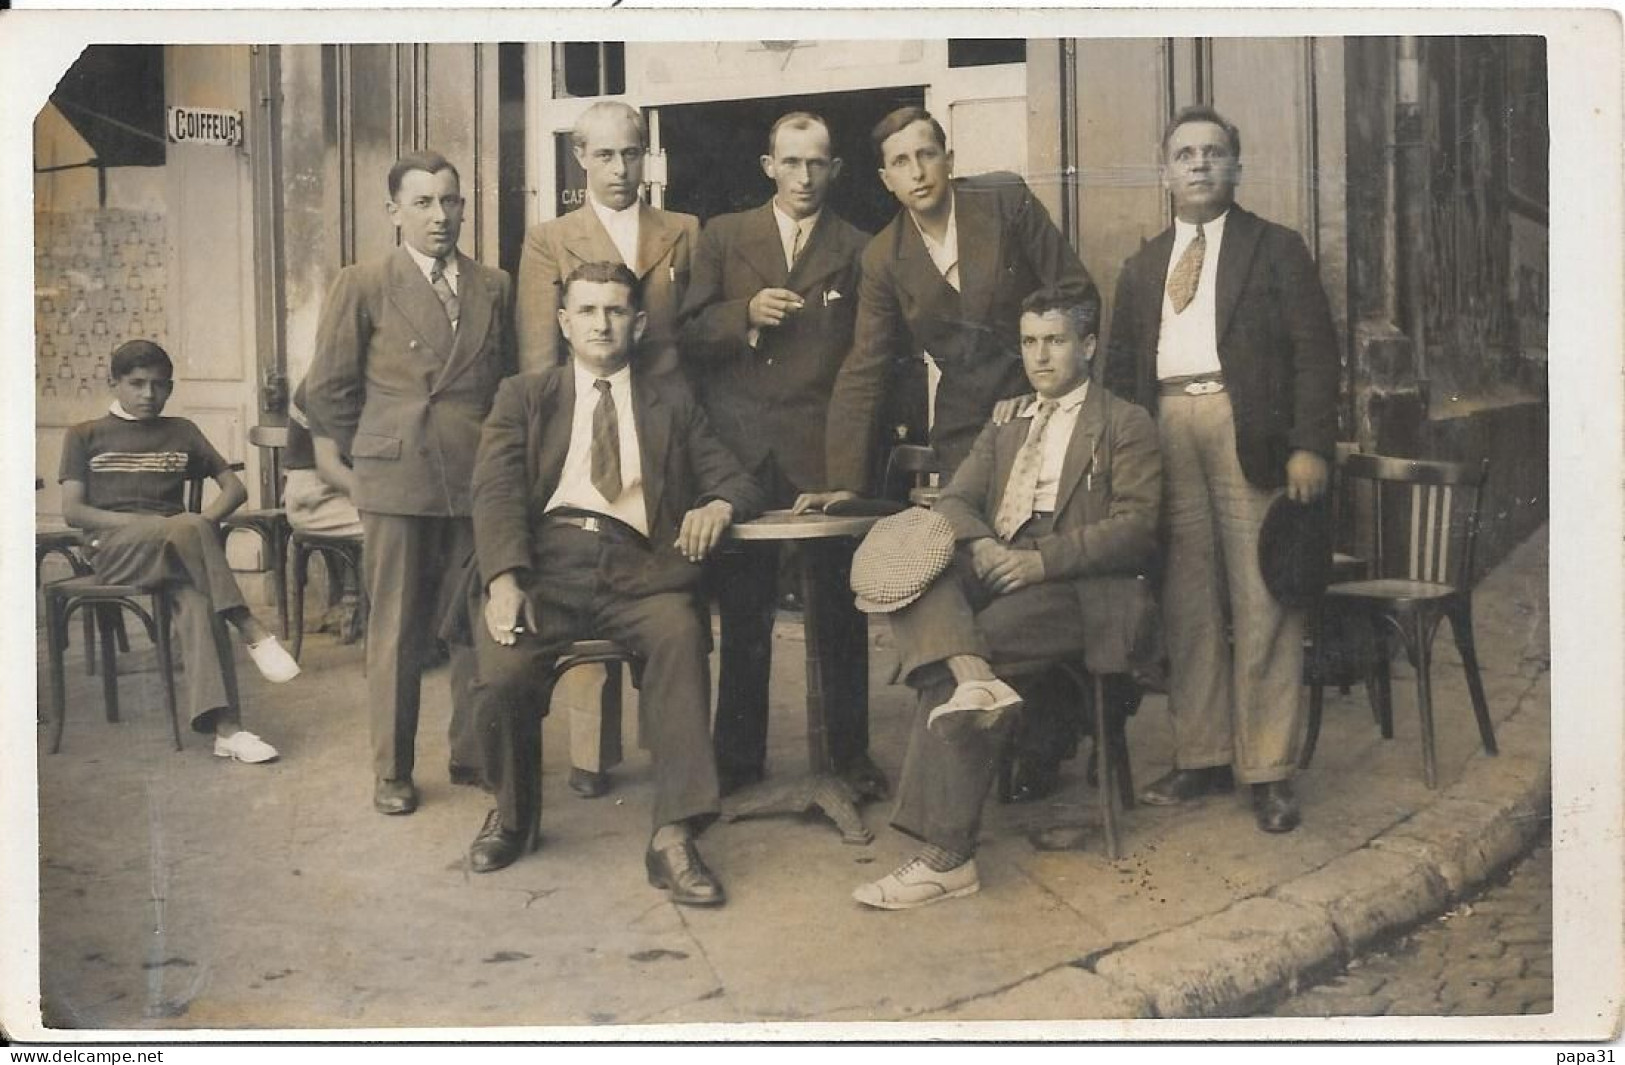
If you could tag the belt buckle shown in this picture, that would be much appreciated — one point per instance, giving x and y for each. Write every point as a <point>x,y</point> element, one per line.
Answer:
<point>1203,388</point>
<point>592,525</point>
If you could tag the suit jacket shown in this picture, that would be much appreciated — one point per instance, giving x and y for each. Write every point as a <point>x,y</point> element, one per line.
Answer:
<point>1277,346</point>
<point>1008,247</point>
<point>553,250</point>
<point>771,399</point>
<point>1106,512</point>
<point>521,458</point>
<point>401,394</point>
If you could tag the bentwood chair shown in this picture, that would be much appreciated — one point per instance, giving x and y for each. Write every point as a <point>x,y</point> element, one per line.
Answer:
<point>1424,525</point>
<point>270,524</point>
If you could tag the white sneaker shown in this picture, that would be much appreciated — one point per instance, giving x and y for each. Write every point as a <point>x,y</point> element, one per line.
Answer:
<point>273,660</point>
<point>975,704</point>
<point>917,884</point>
<point>244,746</point>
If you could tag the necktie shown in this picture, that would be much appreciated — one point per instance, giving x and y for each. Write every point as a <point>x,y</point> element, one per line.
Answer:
<point>1017,505</point>
<point>606,444</point>
<point>1187,272</point>
<point>797,242</point>
<point>442,288</point>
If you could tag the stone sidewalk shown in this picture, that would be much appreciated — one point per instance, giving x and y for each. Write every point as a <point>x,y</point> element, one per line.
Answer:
<point>183,892</point>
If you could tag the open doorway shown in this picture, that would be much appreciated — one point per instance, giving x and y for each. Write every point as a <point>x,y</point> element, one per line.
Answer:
<point>712,151</point>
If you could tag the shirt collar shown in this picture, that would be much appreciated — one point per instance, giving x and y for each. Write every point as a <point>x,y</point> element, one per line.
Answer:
<point>619,381</point>
<point>426,264</point>
<point>607,215</point>
<point>950,237</point>
<point>1071,401</point>
<point>788,225</point>
<point>1212,230</point>
<point>116,409</point>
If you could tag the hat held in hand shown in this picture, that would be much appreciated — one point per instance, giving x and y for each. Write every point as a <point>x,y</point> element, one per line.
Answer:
<point>1295,550</point>
<point>899,559</point>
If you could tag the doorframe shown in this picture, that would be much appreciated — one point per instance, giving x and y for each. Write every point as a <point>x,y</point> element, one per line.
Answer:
<point>270,259</point>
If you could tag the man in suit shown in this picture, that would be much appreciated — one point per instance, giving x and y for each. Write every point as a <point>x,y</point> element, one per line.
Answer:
<point>409,352</point>
<point>599,490</point>
<point>1221,329</point>
<point>1054,516</point>
<point>610,141</point>
<point>764,328</point>
<point>948,274</point>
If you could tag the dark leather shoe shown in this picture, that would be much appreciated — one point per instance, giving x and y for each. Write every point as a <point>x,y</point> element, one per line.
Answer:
<point>679,870</point>
<point>587,784</point>
<point>1034,781</point>
<point>734,778</point>
<point>496,847</point>
<point>1183,785</point>
<point>465,775</point>
<point>394,797</point>
<point>1275,806</point>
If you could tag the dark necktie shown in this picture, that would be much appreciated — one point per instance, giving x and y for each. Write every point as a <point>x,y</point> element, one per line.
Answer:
<point>797,244</point>
<point>1182,280</point>
<point>442,288</point>
<point>606,444</point>
<point>1016,506</point>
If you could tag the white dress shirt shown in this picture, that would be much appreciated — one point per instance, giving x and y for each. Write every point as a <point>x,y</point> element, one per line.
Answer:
<point>622,226</point>
<point>575,479</point>
<point>945,254</point>
<point>787,232</point>
<point>1057,438</point>
<point>426,264</point>
<point>1189,340</point>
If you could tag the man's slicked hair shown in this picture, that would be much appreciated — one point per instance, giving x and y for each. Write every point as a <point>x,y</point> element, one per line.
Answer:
<point>1201,113</point>
<point>899,120</point>
<point>603,273</point>
<point>1082,311</point>
<point>426,161</point>
<point>578,132</point>
<point>799,120</point>
<point>133,355</point>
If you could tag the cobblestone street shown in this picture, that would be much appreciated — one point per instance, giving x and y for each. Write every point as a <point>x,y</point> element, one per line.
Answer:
<point>1489,956</point>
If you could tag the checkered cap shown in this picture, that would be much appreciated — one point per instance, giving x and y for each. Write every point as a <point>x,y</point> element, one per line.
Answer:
<point>900,558</point>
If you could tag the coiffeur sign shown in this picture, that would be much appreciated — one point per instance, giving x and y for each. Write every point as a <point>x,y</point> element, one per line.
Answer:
<point>201,125</point>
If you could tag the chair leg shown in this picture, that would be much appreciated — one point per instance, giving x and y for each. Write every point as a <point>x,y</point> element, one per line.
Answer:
<point>109,660</point>
<point>296,598</point>
<point>1106,793</point>
<point>1419,639</point>
<point>56,633</point>
<point>161,612</point>
<point>1378,689</point>
<point>609,716</point>
<point>88,616</point>
<point>1317,690</point>
<point>1461,626</point>
<point>119,632</point>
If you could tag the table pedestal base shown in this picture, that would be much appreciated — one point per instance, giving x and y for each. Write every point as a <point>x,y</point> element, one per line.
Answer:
<point>836,797</point>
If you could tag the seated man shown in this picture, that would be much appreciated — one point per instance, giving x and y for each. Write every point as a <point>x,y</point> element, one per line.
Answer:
<point>598,491</point>
<point>1054,514</point>
<point>316,494</point>
<point>124,483</point>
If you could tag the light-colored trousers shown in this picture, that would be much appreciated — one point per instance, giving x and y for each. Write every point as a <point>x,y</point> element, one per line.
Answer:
<point>1233,703</point>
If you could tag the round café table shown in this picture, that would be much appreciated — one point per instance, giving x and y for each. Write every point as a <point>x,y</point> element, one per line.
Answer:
<point>823,538</point>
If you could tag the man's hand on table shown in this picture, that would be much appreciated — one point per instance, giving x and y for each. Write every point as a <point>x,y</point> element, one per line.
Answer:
<point>703,528</point>
<point>1005,569</point>
<point>819,500</point>
<point>507,609</point>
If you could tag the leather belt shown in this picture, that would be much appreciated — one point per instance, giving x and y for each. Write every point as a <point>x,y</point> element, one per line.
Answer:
<point>600,524</point>
<point>1205,384</point>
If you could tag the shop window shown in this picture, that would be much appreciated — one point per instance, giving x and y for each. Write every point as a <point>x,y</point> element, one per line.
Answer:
<point>985,51</point>
<point>589,68</point>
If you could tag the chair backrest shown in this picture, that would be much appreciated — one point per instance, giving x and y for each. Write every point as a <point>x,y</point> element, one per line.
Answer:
<point>915,462</point>
<point>1424,515</point>
<point>194,488</point>
<point>271,436</point>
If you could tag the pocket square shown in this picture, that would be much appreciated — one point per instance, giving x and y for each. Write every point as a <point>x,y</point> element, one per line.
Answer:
<point>831,295</point>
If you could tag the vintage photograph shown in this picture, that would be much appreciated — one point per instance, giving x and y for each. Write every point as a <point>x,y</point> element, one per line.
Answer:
<point>652,538</point>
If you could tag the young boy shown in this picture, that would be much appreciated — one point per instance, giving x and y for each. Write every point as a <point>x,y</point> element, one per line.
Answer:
<point>124,483</point>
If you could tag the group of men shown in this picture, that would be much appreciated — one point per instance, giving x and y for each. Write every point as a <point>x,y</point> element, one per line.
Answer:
<point>560,458</point>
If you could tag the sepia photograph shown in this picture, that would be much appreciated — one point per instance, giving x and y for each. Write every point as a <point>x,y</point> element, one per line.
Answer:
<point>573,527</point>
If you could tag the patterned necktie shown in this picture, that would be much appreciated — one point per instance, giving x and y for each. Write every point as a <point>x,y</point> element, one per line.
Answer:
<point>1017,505</point>
<point>606,444</point>
<point>797,243</point>
<point>1187,272</point>
<point>442,288</point>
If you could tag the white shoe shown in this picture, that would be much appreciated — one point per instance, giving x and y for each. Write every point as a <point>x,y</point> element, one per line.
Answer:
<point>244,746</point>
<point>975,704</point>
<point>273,660</point>
<point>917,884</point>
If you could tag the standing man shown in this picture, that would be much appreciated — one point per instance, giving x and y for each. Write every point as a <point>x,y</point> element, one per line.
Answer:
<point>409,352</point>
<point>764,328</point>
<point>948,274</point>
<point>1221,329</point>
<point>610,141</point>
<point>600,490</point>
